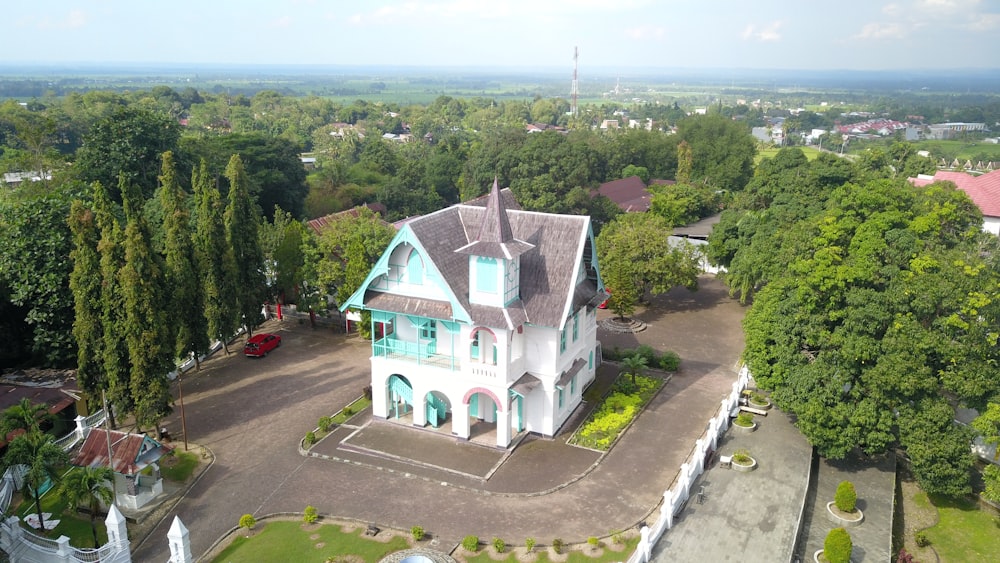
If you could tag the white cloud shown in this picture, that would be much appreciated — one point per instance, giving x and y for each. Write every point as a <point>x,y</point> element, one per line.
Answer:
<point>645,32</point>
<point>767,33</point>
<point>880,31</point>
<point>75,19</point>
<point>282,22</point>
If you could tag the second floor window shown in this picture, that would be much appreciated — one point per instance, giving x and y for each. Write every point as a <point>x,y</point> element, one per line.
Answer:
<point>429,330</point>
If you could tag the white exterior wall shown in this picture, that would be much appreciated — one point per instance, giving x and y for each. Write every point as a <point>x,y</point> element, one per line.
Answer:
<point>991,225</point>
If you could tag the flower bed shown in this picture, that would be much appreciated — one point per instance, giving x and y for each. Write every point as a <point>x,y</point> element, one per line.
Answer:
<point>616,411</point>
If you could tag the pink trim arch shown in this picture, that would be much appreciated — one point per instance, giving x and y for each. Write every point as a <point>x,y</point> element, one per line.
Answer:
<point>472,335</point>
<point>502,407</point>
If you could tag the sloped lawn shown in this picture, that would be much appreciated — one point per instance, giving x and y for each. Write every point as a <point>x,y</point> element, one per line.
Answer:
<point>964,532</point>
<point>291,541</point>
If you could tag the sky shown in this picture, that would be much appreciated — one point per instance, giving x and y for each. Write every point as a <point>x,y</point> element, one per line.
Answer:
<point>517,34</point>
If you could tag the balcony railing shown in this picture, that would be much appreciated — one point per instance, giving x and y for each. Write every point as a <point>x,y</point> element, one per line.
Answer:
<point>420,352</point>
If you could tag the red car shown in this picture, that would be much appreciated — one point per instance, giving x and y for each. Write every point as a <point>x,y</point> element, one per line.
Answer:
<point>260,344</point>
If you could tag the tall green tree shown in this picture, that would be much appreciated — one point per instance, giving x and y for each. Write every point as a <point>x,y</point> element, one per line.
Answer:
<point>636,259</point>
<point>43,459</point>
<point>90,487</point>
<point>241,220</point>
<point>127,143</point>
<point>147,334</point>
<point>35,244</point>
<point>114,351</point>
<point>85,283</point>
<point>350,246</point>
<point>186,306</point>
<point>722,151</point>
<point>215,259</point>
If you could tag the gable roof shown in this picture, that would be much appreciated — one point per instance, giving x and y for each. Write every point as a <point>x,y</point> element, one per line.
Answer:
<point>125,451</point>
<point>319,224</point>
<point>983,190</point>
<point>552,246</point>
<point>629,193</point>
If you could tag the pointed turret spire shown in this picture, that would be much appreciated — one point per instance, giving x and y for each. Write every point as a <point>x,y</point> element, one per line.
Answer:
<point>496,239</point>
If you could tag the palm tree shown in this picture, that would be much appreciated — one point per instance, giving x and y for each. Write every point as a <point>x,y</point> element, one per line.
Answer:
<point>90,486</point>
<point>24,415</point>
<point>635,365</point>
<point>43,458</point>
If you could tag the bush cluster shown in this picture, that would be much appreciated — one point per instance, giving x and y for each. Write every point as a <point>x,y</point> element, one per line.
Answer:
<point>499,545</point>
<point>310,439</point>
<point>744,419</point>
<point>615,413</point>
<point>922,539</point>
<point>417,532</point>
<point>667,361</point>
<point>529,544</point>
<point>470,543</point>
<point>845,498</point>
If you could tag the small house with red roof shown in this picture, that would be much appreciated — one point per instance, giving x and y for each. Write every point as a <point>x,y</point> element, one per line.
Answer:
<point>630,194</point>
<point>983,190</point>
<point>130,455</point>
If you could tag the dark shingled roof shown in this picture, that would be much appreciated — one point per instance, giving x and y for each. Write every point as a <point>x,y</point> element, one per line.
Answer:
<point>548,267</point>
<point>629,193</point>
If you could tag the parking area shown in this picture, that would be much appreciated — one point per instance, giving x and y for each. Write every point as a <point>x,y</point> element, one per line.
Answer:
<point>252,412</point>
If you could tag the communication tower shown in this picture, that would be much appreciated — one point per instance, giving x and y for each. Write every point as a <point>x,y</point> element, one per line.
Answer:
<point>574,89</point>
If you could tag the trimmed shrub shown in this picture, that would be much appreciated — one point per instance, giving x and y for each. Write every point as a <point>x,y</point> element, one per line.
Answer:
<point>742,456</point>
<point>499,545</point>
<point>617,537</point>
<point>529,544</point>
<point>922,539</point>
<point>593,542</point>
<point>417,532</point>
<point>757,398</point>
<point>904,557</point>
<point>310,515</point>
<point>744,419</point>
<point>366,391</point>
<point>557,545</point>
<point>838,546</point>
<point>669,361</point>
<point>347,411</point>
<point>470,543</point>
<point>248,521</point>
<point>324,424</point>
<point>310,439</point>
<point>845,498</point>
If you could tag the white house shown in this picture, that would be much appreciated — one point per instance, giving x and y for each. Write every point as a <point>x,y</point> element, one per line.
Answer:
<point>483,319</point>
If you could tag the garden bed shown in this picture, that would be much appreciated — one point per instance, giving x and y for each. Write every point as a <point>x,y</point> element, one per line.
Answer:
<point>616,411</point>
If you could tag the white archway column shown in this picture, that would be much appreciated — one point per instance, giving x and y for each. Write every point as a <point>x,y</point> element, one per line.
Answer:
<point>460,420</point>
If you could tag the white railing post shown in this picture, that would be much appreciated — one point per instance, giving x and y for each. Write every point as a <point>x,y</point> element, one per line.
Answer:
<point>117,530</point>
<point>81,427</point>
<point>180,543</point>
<point>644,546</point>
<point>667,512</point>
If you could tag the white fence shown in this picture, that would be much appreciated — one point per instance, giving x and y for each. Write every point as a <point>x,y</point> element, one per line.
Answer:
<point>674,499</point>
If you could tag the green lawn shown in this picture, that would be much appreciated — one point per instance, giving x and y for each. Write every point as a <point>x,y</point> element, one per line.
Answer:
<point>810,152</point>
<point>287,541</point>
<point>573,556</point>
<point>75,527</point>
<point>962,150</point>
<point>963,532</point>
<point>182,470</point>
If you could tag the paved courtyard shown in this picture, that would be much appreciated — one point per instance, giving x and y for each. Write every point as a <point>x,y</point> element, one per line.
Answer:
<point>252,413</point>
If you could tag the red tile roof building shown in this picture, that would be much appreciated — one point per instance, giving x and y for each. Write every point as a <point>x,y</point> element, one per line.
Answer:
<point>983,190</point>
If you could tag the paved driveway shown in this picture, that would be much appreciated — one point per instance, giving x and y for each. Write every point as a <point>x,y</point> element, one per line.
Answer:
<point>252,412</point>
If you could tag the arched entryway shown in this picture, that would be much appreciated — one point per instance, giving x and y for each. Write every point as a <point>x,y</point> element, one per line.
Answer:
<point>437,408</point>
<point>400,396</point>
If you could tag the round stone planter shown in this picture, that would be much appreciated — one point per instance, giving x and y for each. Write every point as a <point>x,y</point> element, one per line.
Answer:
<point>745,468</point>
<point>765,406</point>
<point>817,554</point>
<point>843,519</point>
<point>745,429</point>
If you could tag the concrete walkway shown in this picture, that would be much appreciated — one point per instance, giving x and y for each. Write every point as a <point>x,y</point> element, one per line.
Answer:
<point>875,482</point>
<point>745,516</point>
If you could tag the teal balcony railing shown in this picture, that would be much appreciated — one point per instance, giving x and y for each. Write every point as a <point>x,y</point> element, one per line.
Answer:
<point>421,352</point>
